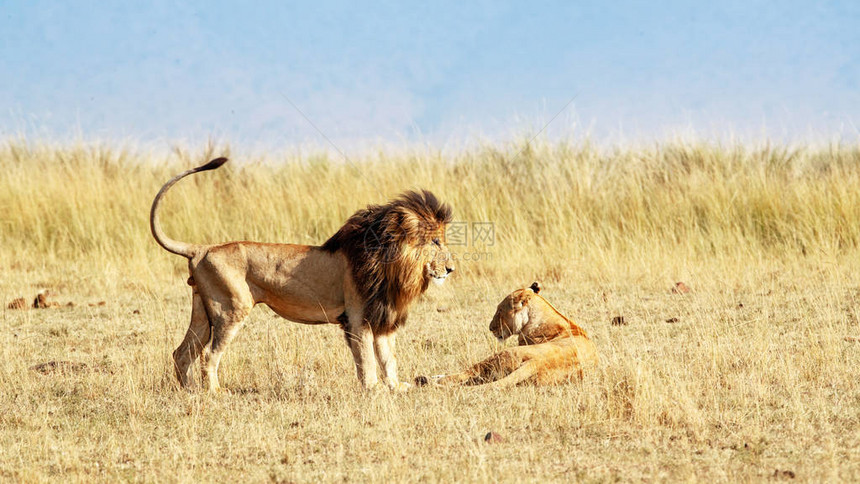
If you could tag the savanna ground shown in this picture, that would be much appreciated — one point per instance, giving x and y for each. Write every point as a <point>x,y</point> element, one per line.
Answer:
<point>756,378</point>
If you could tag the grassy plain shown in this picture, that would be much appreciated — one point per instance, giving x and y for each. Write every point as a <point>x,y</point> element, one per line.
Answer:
<point>757,379</point>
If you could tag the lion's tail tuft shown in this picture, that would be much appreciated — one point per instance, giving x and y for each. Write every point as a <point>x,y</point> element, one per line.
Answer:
<point>184,249</point>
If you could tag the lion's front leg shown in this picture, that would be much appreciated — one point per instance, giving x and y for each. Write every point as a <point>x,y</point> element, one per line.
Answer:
<point>477,374</point>
<point>384,345</point>
<point>491,369</point>
<point>359,336</point>
<point>474,375</point>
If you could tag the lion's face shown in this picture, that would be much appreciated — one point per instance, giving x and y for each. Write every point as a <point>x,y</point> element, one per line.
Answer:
<point>438,262</point>
<point>512,314</point>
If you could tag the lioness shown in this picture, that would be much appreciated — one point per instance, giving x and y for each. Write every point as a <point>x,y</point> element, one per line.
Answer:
<point>551,348</point>
<point>364,278</point>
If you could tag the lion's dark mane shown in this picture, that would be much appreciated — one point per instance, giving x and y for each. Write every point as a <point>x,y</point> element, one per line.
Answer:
<point>381,244</point>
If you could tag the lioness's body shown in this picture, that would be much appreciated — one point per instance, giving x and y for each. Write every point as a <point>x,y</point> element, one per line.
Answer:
<point>553,349</point>
<point>364,278</point>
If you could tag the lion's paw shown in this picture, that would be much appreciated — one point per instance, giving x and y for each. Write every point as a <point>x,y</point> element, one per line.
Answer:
<point>401,387</point>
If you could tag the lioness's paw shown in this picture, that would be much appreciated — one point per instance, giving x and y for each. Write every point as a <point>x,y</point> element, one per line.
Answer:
<point>428,380</point>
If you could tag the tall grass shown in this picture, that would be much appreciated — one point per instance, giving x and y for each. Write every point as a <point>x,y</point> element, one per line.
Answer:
<point>549,204</point>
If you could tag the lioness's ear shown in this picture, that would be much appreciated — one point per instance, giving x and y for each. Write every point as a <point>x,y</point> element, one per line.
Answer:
<point>535,287</point>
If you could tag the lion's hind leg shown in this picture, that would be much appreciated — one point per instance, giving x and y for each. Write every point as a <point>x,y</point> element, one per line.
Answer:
<point>528,370</point>
<point>196,338</point>
<point>226,319</point>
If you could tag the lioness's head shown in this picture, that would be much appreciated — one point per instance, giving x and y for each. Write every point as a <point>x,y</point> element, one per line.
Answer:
<point>512,314</point>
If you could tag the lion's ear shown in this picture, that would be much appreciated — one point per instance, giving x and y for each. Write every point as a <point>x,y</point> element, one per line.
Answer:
<point>535,287</point>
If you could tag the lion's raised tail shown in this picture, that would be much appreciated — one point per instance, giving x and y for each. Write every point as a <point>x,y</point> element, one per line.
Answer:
<point>184,249</point>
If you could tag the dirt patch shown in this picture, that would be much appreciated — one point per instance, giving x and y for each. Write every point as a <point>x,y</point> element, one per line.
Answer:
<point>59,367</point>
<point>778,474</point>
<point>19,303</point>
<point>43,301</point>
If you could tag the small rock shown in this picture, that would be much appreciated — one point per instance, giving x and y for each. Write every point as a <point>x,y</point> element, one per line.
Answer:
<point>618,321</point>
<point>740,305</point>
<point>442,309</point>
<point>851,339</point>
<point>680,288</point>
<point>136,311</point>
<point>672,320</point>
<point>786,474</point>
<point>493,438</point>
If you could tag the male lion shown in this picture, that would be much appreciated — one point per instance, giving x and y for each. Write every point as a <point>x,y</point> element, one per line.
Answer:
<point>364,278</point>
<point>551,347</point>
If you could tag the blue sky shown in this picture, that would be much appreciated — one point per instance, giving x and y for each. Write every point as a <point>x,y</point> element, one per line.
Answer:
<point>163,72</point>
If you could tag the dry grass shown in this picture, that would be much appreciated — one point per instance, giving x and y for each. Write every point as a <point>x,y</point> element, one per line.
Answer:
<point>755,380</point>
